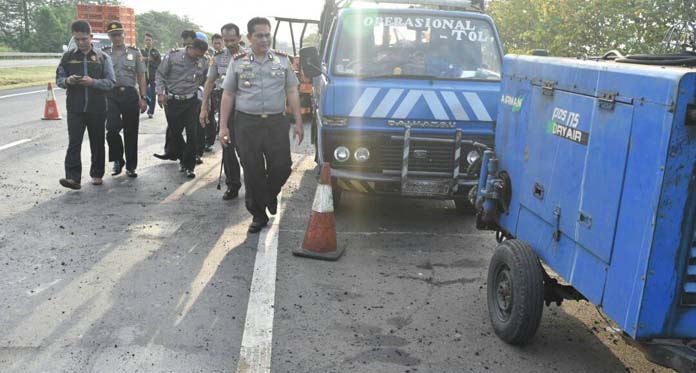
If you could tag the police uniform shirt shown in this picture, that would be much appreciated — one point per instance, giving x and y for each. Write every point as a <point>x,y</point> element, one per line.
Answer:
<point>218,67</point>
<point>260,86</point>
<point>179,74</point>
<point>127,65</point>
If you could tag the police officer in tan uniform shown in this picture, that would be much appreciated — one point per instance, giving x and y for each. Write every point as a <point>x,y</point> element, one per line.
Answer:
<point>257,87</point>
<point>125,101</point>
<point>213,94</point>
<point>178,78</point>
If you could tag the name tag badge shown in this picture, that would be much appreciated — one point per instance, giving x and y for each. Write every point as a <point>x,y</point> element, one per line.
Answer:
<point>247,68</point>
<point>129,57</point>
<point>277,66</point>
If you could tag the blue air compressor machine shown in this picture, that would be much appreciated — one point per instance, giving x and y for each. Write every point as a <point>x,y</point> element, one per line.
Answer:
<point>593,180</point>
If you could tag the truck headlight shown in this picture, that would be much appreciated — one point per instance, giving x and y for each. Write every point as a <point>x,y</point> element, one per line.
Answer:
<point>472,157</point>
<point>341,154</point>
<point>334,121</point>
<point>362,155</point>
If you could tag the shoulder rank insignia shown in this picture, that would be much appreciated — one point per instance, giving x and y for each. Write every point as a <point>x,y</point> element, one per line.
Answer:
<point>280,53</point>
<point>239,55</point>
<point>107,48</point>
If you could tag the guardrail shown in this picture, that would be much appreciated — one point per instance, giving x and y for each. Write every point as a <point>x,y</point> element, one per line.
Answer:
<point>28,56</point>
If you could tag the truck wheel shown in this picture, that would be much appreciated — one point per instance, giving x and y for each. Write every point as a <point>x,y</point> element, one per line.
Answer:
<point>515,292</point>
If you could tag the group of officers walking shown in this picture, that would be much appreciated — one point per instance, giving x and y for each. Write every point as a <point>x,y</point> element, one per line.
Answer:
<point>109,89</point>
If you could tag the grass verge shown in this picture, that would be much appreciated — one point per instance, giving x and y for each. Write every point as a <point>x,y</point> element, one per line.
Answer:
<point>19,77</point>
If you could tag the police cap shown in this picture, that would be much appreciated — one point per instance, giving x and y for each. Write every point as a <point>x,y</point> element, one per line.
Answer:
<point>114,28</point>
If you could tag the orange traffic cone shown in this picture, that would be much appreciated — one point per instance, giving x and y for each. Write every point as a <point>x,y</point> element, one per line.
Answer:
<point>320,237</point>
<point>51,108</point>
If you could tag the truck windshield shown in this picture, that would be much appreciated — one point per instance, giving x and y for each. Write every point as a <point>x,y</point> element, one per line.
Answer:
<point>378,45</point>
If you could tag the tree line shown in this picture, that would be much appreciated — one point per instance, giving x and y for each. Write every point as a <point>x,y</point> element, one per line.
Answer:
<point>44,25</point>
<point>564,27</point>
<point>588,27</point>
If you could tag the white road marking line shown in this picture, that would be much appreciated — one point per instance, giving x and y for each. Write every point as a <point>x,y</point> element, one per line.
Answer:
<point>42,288</point>
<point>257,341</point>
<point>20,142</point>
<point>27,93</point>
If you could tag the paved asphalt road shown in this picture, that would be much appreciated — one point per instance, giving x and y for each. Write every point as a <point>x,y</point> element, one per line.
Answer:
<point>158,274</point>
<point>29,63</point>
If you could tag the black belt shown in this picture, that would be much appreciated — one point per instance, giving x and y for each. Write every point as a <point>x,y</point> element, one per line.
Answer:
<point>122,89</point>
<point>181,97</point>
<point>262,116</point>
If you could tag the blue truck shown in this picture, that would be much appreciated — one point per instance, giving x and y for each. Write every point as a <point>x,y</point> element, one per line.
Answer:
<point>405,96</point>
<point>594,175</point>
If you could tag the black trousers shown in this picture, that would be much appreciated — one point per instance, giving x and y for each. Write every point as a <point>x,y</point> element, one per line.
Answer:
<point>152,98</point>
<point>94,123</point>
<point>181,116</point>
<point>206,136</point>
<point>230,162</point>
<point>123,113</point>
<point>264,150</point>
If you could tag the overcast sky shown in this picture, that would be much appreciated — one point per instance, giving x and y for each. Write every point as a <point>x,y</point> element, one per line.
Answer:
<point>212,14</point>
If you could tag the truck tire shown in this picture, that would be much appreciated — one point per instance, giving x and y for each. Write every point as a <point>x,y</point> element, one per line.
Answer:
<point>515,292</point>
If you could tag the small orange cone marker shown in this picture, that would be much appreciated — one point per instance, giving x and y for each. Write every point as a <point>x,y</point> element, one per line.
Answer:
<point>320,237</point>
<point>51,108</point>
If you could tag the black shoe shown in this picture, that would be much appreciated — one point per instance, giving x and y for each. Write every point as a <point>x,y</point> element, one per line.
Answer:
<point>273,206</point>
<point>257,226</point>
<point>150,116</point>
<point>131,173</point>
<point>190,174</point>
<point>230,194</point>
<point>70,184</point>
<point>165,157</point>
<point>199,160</point>
<point>118,167</point>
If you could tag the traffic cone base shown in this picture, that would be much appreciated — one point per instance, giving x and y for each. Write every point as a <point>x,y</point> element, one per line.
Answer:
<point>320,237</point>
<point>51,108</point>
<point>330,256</point>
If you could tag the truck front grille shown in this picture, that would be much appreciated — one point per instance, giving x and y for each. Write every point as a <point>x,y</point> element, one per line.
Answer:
<point>386,154</point>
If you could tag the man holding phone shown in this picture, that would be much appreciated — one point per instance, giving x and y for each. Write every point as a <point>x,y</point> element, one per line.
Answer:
<point>86,74</point>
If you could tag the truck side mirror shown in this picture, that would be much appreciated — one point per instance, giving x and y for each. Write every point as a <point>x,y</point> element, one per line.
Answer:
<point>310,62</point>
<point>540,52</point>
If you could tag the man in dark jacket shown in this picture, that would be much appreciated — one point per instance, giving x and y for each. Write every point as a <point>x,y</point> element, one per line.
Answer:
<point>86,74</point>
<point>152,59</point>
